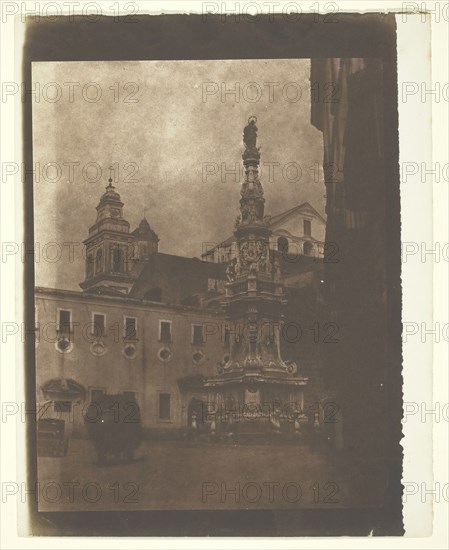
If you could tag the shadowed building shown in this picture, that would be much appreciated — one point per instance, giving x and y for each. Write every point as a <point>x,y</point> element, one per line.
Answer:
<point>362,205</point>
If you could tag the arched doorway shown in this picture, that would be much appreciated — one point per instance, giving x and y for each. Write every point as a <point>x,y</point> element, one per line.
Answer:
<point>196,407</point>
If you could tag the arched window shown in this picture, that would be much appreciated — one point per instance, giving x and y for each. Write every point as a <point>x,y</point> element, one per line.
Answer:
<point>308,248</point>
<point>98,260</point>
<point>118,260</point>
<point>89,265</point>
<point>283,244</point>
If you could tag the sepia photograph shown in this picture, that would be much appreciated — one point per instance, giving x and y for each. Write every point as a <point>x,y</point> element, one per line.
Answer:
<point>184,338</point>
<point>200,284</point>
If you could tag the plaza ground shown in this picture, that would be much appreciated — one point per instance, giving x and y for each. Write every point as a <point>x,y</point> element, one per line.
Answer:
<point>190,475</point>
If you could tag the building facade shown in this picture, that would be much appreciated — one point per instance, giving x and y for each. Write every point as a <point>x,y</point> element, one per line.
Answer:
<point>87,345</point>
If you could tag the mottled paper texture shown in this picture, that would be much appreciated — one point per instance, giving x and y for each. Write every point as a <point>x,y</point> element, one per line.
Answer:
<point>217,291</point>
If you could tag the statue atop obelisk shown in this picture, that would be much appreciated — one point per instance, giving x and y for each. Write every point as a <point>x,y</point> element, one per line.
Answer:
<point>255,300</point>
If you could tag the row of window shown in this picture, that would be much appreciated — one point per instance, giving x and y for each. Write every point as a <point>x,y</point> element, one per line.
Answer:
<point>130,328</point>
<point>164,403</point>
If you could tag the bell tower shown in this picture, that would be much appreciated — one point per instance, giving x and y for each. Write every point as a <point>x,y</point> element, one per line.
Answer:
<point>109,248</point>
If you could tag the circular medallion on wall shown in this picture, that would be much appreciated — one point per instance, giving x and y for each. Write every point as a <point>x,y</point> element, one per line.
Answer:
<point>98,349</point>
<point>198,357</point>
<point>64,345</point>
<point>164,355</point>
<point>129,351</point>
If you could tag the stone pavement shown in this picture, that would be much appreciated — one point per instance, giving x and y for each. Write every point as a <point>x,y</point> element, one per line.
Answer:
<point>192,475</point>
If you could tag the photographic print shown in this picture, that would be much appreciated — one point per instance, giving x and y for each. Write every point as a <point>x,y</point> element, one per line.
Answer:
<point>215,218</point>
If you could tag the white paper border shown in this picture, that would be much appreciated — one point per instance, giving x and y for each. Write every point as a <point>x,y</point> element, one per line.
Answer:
<point>12,302</point>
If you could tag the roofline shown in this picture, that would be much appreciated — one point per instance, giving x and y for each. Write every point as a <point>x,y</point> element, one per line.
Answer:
<point>281,215</point>
<point>75,295</point>
<point>110,277</point>
<point>107,231</point>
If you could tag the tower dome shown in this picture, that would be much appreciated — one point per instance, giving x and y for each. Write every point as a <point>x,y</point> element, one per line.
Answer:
<point>108,247</point>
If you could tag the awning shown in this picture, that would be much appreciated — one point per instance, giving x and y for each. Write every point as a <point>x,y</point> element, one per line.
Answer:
<point>63,388</point>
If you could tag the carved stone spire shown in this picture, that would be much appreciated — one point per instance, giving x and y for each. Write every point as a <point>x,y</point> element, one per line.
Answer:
<point>254,372</point>
<point>255,296</point>
<point>252,202</point>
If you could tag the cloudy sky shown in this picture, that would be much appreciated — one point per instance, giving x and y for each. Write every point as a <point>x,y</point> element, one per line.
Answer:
<point>162,125</point>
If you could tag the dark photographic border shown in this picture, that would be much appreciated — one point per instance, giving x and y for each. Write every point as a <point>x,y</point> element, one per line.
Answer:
<point>194,37</point>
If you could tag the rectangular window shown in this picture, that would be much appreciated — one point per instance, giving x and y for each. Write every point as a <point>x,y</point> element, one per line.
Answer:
<point>65,320</point>
<point>118,260</point>
<point>96,393</point>
<point>62,407</point>
<point>165,331</point>
<point>164,406</point>
<point>130,328</point>
<point>98,324</point>
<point>197,334</point>
<point>307,227</point>
<point>99,260</point>
<point>89,264</point>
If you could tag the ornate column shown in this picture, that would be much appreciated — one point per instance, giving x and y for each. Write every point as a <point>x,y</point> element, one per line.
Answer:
<point>255,298</point>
